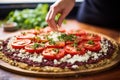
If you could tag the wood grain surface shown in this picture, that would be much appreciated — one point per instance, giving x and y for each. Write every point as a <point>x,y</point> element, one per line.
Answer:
<point>71,24</point>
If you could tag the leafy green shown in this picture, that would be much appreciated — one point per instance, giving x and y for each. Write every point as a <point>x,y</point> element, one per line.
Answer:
<point>75,44</point>
<point>90,42</point>
<point>36,45</point>
<point>57,18</point>
<point>65,37</point>
<point>29,18</point>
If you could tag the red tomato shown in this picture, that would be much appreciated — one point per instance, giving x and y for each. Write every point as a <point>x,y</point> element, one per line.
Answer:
<point>26,36</point>
<point>77,32</point>
<point>93,37</point>
<point>70,49</point>
<point>47,29</point>
<point>33,31</point>
<point>61,30</point>
<point>95,46</point>
<point>78,39</point>
<point>69,42</point>
<point>32,48</point>
<point>57,44</point>
<point>53,53</point>
<point>18,44</point>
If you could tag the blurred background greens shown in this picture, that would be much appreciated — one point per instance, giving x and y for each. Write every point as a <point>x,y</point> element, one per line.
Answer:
<point>29,18</point>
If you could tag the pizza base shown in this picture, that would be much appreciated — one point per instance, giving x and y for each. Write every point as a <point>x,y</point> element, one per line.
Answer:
<point>57,69</point>
<point>101,63</point>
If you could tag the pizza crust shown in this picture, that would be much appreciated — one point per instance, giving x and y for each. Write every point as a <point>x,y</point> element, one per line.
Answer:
<point>57,69</point>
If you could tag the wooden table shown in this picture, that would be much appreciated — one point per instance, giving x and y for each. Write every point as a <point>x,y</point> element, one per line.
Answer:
<point>112,74</point>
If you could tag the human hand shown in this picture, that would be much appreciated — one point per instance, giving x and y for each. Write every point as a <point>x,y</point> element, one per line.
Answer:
<point>60,6</point>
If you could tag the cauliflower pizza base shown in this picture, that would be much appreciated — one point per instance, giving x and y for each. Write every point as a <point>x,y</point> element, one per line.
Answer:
<point>46,51</point>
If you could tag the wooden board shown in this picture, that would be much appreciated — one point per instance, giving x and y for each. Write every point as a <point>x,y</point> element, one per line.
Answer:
<point>17,70</point>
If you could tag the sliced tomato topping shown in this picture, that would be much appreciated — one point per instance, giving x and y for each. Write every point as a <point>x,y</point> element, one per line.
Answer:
<point>18,44</point>
<point>69,42</point>
<point>57,44</point>
<point>77,39</point>
<point>61,30</point>
<point>90,36</point>
<point>25,36</point>
<point>92,45</point>
<point>53,53</point>
<point>47,29</point>
<point>34,47</point>
<point>70,49</point>
<point>77,32</point>
<point>41,38</point>
<point>33,31</point>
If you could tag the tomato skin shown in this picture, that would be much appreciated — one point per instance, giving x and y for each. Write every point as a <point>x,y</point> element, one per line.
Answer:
<point>35,32</point>
<point>47,29</point>
<point>73,50</point>
<point>78,32</point>
<point>78,40</point>
<point>49,54</point>
<point>61,30</point>
<point>93,37</point>
<point>60,54</point>
<point>58,44</point>
<point>29,48</point>
<point>18,44</point>
<point>69,42</point>
<point>93,47</point>
<point>26,36</point>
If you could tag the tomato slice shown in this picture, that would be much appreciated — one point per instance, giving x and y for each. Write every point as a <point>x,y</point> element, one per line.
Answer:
<point>18,44</point>
<point>78,40</point>
<point>92,46</point>
<point>47,29</point>
<point>53,53</point>
<point>61,30</point>
<point>78,32</point>
<point>90,36</point>
<point>70,49</point>
<point>34,47</point>
<point>33,31</point>
<point>25,36</point>
<point>57,44</point>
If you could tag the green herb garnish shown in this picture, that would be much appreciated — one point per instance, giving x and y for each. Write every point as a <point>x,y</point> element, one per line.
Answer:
<point>65,37</point>
<point>90,42</point>
<point>75,44</point>
<point>23,33</point>
<point>56,50</point>
<point>36,45</point>
<point>51,41</point>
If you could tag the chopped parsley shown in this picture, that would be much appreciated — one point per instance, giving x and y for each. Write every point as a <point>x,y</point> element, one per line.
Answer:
<point>23,33</point>
<point>51,41</point>
<point>90,42</point>
<point>65,37</point>
<point>56,50</point>
<point>36,45</point>
<point>75,44</point>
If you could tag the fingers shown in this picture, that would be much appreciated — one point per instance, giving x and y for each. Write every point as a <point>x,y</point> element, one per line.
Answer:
<point>61,18</point>
<point>50,18</point>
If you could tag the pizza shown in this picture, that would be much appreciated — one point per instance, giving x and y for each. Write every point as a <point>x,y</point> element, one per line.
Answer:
<point>44,50</point>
